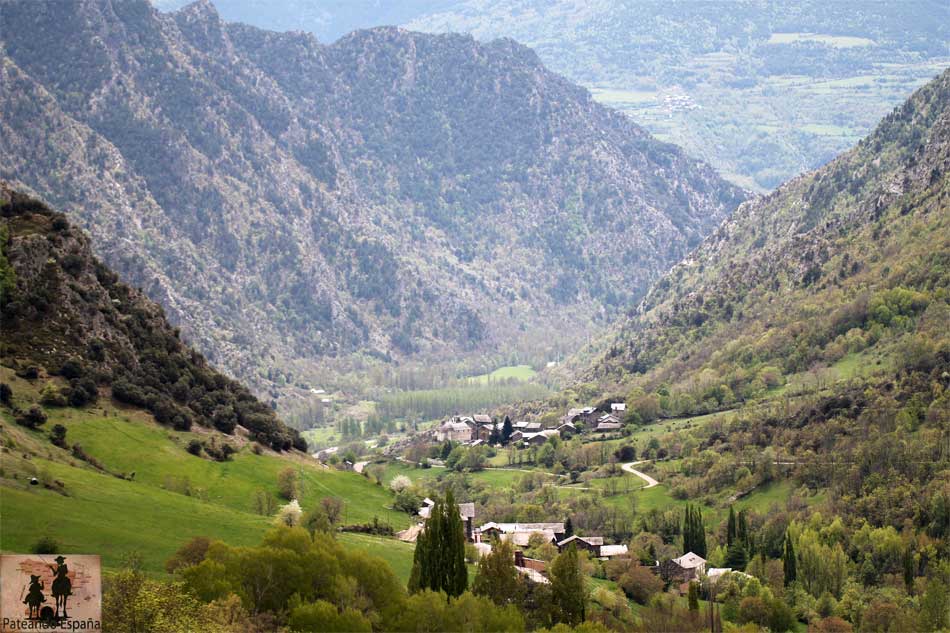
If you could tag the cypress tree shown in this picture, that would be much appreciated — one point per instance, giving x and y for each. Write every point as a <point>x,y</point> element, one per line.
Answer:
<point>439,559</point>
<point>700,534</point>
<point>456,573</point>
<point>731,528</point>
<point>568,528</point>
<point>687,530</point>
<point>788,561</point>
<point>693,596</point>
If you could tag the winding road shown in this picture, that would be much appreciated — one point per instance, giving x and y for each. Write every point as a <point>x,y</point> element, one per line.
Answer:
<point>647,478</point>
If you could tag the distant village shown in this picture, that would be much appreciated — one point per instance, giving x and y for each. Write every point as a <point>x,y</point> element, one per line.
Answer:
<point>481,429</point>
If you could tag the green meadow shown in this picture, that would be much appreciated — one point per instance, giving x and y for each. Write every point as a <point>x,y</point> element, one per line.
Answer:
<point>172,497</point>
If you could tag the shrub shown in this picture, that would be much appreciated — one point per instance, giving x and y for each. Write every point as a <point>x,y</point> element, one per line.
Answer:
<point>30,373</point>
<point>191,553</point>
<point>32,418</point>
<point>287,484</point>
<point>58,435</point>
<point>6,393</point>
<point>194,447</point>
<point>45,545</point>
<point>51,396</point>
<point>72,368</point>
<point>400,483</point>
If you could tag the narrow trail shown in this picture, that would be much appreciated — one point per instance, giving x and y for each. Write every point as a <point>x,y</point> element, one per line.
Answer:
<point>647,478</point>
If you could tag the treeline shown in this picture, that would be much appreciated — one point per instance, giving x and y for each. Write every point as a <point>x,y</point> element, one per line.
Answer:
<point>430,404</point>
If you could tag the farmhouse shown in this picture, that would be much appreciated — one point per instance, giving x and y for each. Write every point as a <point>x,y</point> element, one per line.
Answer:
<point>687,567</point>
<point>591,544</point>
<point>618,408</point>
<point>454,431</point>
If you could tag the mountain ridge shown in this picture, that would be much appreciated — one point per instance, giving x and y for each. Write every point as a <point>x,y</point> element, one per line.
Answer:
<point>289,201</point>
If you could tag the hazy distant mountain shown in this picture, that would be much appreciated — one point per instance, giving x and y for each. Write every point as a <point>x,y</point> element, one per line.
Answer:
<point>392,193</point>
<point>761,89</point>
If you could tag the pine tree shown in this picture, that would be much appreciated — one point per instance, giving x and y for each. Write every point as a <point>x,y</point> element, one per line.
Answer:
<point>568,528</point>
<point>788,561</point>
<point>506,431</point>
<point>731,528</point>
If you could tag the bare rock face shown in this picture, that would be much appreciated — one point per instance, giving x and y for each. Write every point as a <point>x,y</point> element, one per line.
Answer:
<point>394,192</point>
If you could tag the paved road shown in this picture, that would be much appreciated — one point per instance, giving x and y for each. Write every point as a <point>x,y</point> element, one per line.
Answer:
<point>647,478</point>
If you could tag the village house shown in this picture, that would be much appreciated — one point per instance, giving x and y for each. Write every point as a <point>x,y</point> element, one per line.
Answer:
<point>526,427</point>
<point>454,431</point>
<point>595,545</point>
<point>684,569</point>
<point>566,430</point>
<point>584,415</point>
<point>492,530</point>
<point>618,408</point>
<point>466,512</point>
<point>590,544</point>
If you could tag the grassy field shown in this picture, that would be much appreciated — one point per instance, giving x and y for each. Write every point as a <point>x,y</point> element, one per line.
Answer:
<point>493,476</point>
<point>396,553</point>
<point>172,497</point>
<point>516,372</point>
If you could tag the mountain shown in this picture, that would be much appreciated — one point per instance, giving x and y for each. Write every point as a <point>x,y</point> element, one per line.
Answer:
<point>65,314</point>
<point>394,193</point>
<point>761,89</point>
<point>850,259</point>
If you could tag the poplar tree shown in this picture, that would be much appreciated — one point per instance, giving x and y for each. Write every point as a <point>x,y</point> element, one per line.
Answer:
<point>788,561</point>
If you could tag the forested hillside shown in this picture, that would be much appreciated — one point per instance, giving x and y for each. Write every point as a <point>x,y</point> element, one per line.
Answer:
<point>819,314</point>
<point>393,193</point>
<point>66,315</point>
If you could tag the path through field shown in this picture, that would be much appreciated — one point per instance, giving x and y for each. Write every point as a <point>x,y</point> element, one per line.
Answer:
<point>647,478</point>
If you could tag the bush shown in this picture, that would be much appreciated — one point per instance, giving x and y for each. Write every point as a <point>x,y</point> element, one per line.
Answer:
<point>637,581</point>
<point>32,418</point>
<point>191,553</point>
<point>6,393</point>
<point>45,545</point>
<point>287,484</point>
<point>72,368</point>
<point>194,447</point>
<point>30,373</point>
<point>51,396</point>
<point>58,435</point>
